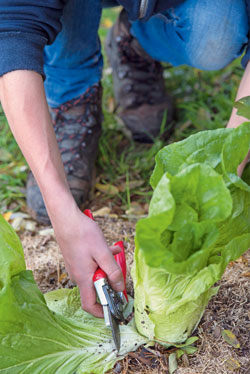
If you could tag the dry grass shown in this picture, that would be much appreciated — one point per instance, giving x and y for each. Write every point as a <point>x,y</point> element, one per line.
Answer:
<point>229,309</point>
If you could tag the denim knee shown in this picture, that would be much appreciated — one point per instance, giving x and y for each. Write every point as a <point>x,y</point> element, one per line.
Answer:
<point>217,33</point>
<point>206,34</point>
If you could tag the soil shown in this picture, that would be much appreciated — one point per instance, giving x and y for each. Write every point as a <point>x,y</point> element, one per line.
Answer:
<point>228,310</point>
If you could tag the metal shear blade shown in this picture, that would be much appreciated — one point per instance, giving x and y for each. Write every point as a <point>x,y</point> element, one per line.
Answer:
<point>115,330</point>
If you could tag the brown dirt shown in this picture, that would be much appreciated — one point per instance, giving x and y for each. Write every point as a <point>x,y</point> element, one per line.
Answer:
<point>229,309</point>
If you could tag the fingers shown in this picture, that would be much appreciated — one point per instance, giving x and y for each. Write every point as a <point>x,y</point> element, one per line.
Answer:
<point>89,300</point>
<point>115,249</point>
<point>108,264</point>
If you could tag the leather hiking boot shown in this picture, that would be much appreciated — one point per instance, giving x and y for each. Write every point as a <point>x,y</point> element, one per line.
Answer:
<point>77,125</point>
<point>139,86</point>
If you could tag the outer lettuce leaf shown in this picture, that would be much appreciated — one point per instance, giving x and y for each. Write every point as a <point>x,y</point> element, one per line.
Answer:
<point>202,148</point>
<point>222,149</point>
<point>35,339</point>
<point>199,221</point>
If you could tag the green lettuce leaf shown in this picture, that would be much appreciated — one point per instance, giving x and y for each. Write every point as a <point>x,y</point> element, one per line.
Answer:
<point>198,221</point>
<point>54,337</point>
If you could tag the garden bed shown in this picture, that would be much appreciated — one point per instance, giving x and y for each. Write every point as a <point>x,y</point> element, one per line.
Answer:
<point>228,310</point>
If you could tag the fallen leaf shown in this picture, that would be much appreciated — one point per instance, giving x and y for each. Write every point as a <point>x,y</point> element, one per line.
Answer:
<point>19,214</point>
<point>29,225</point>
<point>111,104</point>
<point>242,260</point>
<point>131,185</point>
<point>102,212</point>
<point>217,332</point>
<point>107,23</point>
<point>232,364</point>
<point>185,360</point>
<point>107,188</point>
<point>46,232</point>
<point>135,209</point>
<point>230,338</point>
<point>17,223</point>
<point>62,277</point>
<point>113,215</point>
<point>247,274</point>
<point>7,216</point>
<point>172,363</point>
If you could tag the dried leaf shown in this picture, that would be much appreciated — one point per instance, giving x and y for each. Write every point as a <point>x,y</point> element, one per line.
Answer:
<point>30,225</point>
<point>107,23</point>
<point>107,188</point>
<point>111,104</point>
<point>7,216</point>
<point>232,364</point>
<point>19,214</point>
<point>46,232</point>
<point>230,338</point>
<point>62,277</point>
<point>131,185</point>
<point>113,215</point>
<point>217,332</point>
<point>185,360</point>
<point>242,260</point>
<point>172,363</point>
<point>247,274</point>
<point>135,209</point>
<point>105,211</point>
<point>18,223</point>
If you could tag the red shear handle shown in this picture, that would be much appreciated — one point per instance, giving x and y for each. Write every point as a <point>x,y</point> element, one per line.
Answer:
<point>88,213</point>
<point>120,259</point>
<point>99,274</point>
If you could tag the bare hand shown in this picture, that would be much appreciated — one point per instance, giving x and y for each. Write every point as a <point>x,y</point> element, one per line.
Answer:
<point>84,249</point>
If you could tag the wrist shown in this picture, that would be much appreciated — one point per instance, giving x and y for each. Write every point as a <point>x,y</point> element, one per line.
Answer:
<point>59,201</point>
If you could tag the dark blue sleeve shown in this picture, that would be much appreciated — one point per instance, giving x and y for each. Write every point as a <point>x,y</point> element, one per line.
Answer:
<point>246,58</point>
<point>25,28</point>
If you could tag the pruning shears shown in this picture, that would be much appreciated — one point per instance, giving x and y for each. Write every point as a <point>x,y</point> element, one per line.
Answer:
<point>113,303</point>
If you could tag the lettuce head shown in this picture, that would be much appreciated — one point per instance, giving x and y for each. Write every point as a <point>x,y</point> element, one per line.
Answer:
<point>198,221</point>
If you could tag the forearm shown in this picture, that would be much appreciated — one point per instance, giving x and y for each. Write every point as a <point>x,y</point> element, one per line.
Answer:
<point>80,239</point>
<point>23,100</point>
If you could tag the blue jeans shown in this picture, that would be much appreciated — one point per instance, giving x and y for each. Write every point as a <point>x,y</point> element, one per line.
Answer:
<point>206,34</point>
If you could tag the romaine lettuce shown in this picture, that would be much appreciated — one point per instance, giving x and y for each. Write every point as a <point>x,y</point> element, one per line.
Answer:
<point>198,221</point>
